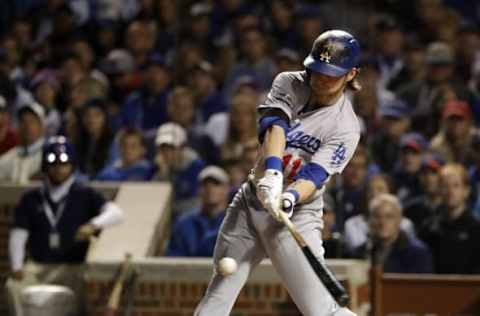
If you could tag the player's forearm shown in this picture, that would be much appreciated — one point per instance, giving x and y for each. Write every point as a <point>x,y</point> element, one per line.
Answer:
<point>304,188</point>
<point>274,142</point>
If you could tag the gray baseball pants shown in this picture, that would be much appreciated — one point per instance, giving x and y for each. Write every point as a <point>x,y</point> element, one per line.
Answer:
<point>248,234</point>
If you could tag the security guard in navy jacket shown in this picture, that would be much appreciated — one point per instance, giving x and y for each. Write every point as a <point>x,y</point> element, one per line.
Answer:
<point>57,221</point>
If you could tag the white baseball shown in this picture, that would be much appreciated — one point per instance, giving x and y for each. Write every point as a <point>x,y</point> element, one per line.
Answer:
<point>227,266</point>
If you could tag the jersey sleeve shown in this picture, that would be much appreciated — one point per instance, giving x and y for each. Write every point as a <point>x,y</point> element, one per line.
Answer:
<point>334,154</point>
<point>281,95</point>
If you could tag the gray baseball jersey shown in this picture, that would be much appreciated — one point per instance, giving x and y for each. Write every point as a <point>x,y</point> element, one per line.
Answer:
<point>326,136</point>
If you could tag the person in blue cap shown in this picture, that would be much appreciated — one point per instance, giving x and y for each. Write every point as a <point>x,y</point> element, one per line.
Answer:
<point>406,174</point>
<point>57,220</point>
<point>146,108</point>
<point>394,122</point>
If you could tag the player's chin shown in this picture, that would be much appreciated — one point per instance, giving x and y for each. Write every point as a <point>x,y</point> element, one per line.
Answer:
<point>327,90</point>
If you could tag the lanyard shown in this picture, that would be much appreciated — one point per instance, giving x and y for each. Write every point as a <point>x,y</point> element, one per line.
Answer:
<point>53,219</point>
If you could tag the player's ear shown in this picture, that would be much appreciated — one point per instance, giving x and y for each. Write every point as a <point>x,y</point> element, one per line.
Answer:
<point>352,74</point>
<point>352,80</point>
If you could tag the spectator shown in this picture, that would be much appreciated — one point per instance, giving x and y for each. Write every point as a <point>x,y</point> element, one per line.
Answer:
<point>198,28</point>
<point>146,108</point>
<point>357,227</point>
<point>454,142</point>
<point>208,97</point>
<point>413,68</point>
<point>332,239</point>
<point>310,23</point>
<point>168,21</point>
<point>394,122</point>
<point>81,47</point>
<point>179,164</point>
<point>348,193</point>
<point>140,40</point>
<point>282,26</point>
<point>370,97</point>
<point>389,49</point>
<point>221,14</point>
<point>243,19</point>
<point>431,14</point>
<point>388,244</point>
<point>183,111</point>
<point>409,163</point>
<point>58,234</point>
<point>46,89</point>
<point>453,232</point>
<point>231,131</point>
<point>22,162</point>
<point>247,85</point>
<point>256,63</point>
<point>72,70</point>
<point>116,10</point>
<point>240,168</point>
<point>467,51</point>
<point>95,140</point>
<point>13,57</point>
<point>287,59</point>
<point>106,36</point>
<point>120,68</point>
<point>194,233</point>
<point>241,126</point>
<point>186,56</point>
<point>132,165</point>
<point>427,97</point>
<point>23,33</point>
<point>8,136</point>
<point>84,90</point>
<point>424,205</point>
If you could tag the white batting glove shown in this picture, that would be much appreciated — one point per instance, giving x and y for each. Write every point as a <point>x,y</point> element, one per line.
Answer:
<point>287,202</point>
<point>269,189</point>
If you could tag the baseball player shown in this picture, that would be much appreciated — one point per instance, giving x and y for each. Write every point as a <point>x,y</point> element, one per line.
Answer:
<point>308,131</point>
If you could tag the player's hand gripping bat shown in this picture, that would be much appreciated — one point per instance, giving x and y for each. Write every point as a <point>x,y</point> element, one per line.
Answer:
<point>328,279</point>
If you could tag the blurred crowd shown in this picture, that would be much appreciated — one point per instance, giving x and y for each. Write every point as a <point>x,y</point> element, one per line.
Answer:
<point>162,90</point>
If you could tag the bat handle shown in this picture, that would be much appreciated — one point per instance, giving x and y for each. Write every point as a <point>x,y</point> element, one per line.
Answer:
<point>343,300</point>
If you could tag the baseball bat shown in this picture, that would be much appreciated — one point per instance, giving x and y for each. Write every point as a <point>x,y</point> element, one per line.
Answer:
<point>116,294</point>
<point>332,285</point>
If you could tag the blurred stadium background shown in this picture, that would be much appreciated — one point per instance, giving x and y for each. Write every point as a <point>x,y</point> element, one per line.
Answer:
<point>151,92</point>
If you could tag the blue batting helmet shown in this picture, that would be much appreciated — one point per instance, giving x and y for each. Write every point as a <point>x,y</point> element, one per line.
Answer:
<point>57,149</point>
<point>334,53</point>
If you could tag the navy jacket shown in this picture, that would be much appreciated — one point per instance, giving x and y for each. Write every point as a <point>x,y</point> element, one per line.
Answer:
<point>408,255</point>
<point>145,111</point>
<point>455,243</point>
<point>82,204</point>
<point>194,235</point>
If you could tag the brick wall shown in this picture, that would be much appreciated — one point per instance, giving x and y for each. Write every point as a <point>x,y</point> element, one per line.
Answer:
<point>174,286</point>
<point>159,298</point>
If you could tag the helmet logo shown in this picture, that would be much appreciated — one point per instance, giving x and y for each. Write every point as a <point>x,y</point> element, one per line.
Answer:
<point>328,49</point>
